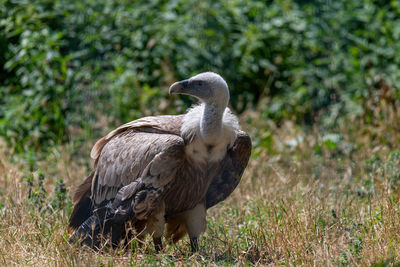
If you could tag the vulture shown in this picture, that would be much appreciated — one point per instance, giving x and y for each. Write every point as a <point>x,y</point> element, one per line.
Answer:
<point>158,175</point>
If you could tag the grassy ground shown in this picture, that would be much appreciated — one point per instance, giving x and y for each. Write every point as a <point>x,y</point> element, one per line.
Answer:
<point>305,199</point>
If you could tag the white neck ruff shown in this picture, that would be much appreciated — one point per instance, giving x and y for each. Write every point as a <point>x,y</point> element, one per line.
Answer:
<point>213,150</point>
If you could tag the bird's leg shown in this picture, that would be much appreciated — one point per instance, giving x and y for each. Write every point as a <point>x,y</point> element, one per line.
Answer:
<point>157,244</point>
<point>194,245</point>
<point>195,224</point>
<point>155,226</point>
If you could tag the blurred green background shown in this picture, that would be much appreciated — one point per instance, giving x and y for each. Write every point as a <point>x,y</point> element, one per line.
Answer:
<point>70,67</point>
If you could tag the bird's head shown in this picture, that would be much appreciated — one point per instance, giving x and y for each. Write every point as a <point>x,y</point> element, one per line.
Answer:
<point>208,87</point>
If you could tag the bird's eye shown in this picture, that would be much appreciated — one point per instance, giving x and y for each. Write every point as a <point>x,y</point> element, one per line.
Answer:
<point>200,83</point>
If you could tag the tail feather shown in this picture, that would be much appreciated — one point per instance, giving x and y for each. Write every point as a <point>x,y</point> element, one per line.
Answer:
<point>132,203</point>
<point>88,233</point>
<point>83,204</point>
<point>104,221</point>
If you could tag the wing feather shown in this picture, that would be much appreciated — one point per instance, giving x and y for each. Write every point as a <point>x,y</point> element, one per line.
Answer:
<point>140,198</point>
<point>142,195</point>
<point>124,173</point>
<point>230,171</point>
<point>153,124</point>
<point>131,152</point>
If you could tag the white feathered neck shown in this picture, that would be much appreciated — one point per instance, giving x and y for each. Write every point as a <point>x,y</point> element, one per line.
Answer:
<point>196,145</point>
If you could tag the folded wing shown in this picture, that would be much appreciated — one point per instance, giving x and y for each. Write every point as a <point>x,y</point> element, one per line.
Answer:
<point>230,171</point>
<point>130,186</point>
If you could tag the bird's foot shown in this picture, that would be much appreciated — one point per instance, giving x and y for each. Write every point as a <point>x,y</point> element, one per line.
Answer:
<point>157,244</point>
<point>194,244</point>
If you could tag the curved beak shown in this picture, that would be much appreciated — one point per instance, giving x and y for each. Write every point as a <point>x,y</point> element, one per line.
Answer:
<point>179,87</point>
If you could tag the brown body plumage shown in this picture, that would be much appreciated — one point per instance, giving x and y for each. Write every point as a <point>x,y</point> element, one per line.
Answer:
<point>159,170</point>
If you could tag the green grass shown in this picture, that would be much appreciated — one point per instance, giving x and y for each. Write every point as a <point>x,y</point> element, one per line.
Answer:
<point>309,202</point>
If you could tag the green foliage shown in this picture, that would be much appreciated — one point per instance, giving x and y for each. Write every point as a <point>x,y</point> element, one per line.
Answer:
<point>60,195</point>
<point>39,198</point>
<point>64,63</point>
<point>36,190</point>
<point>33,93</point>
<point>385,171</point>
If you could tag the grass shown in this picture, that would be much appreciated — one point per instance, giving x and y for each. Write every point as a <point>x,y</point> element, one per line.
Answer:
<point>305,199</point>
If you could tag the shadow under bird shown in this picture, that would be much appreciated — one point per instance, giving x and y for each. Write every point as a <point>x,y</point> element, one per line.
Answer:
<point>163,172</point>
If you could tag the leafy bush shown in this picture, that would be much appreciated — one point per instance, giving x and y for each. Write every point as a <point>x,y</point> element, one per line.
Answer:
<point>64,64</point>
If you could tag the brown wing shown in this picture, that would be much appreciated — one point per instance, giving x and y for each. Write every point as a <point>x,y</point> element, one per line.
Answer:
<point>168,124</point>
<point>231,170</point>
<point>126,158</point>
<point>121,147</point>
<point>142,194</point>
<point>139,198</point>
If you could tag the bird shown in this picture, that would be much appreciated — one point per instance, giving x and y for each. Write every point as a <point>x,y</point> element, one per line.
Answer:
<point>158,175</point>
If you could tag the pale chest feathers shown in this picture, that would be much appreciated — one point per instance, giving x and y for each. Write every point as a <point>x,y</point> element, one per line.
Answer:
<point>197,150</point>
<point>214,151</point>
